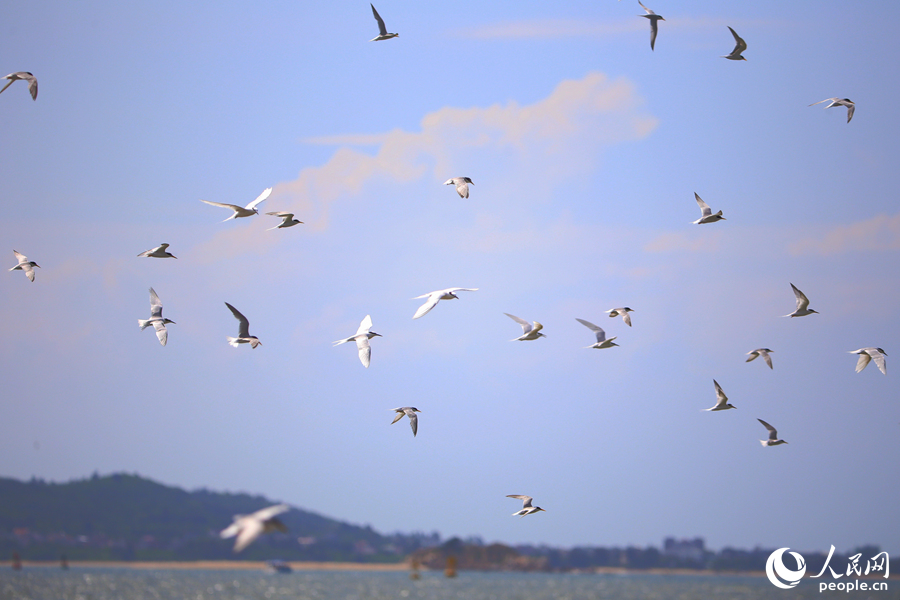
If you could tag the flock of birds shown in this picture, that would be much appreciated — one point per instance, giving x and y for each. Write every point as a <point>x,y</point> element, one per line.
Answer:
<point>247,528</point>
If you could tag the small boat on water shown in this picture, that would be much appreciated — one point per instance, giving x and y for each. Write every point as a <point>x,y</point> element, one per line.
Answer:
<point>450,571</point>
<point>278,566</point>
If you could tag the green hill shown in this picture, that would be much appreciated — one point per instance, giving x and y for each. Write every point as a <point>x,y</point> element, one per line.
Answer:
<point>128,517</point>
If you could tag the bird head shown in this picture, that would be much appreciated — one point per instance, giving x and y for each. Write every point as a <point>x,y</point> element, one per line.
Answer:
<point>415,409</point>
<point>373,334</point>
<point>882,351</point>
<point>274,524</point>
<point>814,311</point>
<point>626,309</point>
<point>169,321</point>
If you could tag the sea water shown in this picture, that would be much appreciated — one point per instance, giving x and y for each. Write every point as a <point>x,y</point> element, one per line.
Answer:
<point>88,583</point>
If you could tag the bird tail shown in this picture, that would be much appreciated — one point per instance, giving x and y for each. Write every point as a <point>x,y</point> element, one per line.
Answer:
<point>233,341</point>
<point>764,442</point>
<point>143,324</point>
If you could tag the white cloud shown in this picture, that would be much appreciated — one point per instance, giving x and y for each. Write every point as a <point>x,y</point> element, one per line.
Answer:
<point>566,128</point>
<point>563,133</point>
<point>597,29</point>
<point>683,242</point>
<point>875,234</point>
<point>550,28</point>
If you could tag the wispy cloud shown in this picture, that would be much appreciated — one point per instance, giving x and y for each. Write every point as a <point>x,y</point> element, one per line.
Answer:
<point>683,242</point>
<point>577,28</point>
<point>563,133</point>
<point>565,130</point>
<point>550,28</point>
<point>878,233</point>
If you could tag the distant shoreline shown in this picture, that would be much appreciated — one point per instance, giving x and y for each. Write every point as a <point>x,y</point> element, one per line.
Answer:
<point>243,565</point>
<point>210,565</point>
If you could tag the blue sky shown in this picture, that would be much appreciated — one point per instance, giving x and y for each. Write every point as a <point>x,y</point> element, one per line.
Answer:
<point>586,149</point>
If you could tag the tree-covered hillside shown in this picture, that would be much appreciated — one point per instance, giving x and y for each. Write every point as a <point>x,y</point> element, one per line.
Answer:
<point>128,517</point>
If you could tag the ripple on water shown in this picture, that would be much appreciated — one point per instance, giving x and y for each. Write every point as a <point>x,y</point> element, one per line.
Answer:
<point>163,584</point>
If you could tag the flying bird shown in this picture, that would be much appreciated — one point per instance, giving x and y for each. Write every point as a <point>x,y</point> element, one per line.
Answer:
<point>158,252</point>
<point>529,331</point>
<point>773,436</point>
<point>25,265</point>
<point>839,102</point>
<point>867,354</point>
<point>706,215</point>
<point>287,218</point>
<point>362,337</point>
<point>244,336</point>
<point>802,304</point>
<point>242,211</point>
<point>382,30</point>
<point>462,185</point>
<point>409,411</point>
<point>602,342</point>
<point>527,508</point>
<point>156,319</point>
<point>435,297</point>
<point>623,312</point>
<point>721,399</point>
<point>24,76</point>
<point>249,527</point>
<point>764,352</point>
<point>739,46</point>
<point>654,19</point>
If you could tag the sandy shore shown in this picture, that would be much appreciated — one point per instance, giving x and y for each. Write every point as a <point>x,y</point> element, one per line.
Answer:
<point>243,565</point>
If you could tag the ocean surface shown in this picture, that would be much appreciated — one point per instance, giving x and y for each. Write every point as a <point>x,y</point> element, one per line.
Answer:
<point>177,584</point>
